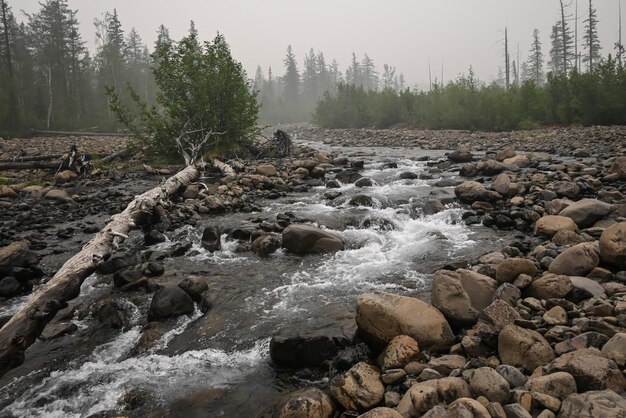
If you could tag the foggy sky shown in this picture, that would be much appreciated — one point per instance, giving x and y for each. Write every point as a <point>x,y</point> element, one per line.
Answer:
<point>404,33</point>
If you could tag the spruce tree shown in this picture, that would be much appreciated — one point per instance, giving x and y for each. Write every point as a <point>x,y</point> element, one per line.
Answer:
<point>592,42</point>
<point>534,64</point>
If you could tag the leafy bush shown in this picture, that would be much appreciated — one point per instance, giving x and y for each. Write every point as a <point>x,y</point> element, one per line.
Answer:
<point>203,92</point>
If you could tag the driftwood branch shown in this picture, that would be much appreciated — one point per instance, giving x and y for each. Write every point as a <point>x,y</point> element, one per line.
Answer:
<point>29,322</point>
<point>223,167</point>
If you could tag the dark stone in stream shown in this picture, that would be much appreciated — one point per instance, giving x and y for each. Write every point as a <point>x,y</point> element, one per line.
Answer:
<point>408,175</point>
<point>112,314</point>
<point>362,200</point>
<point>180,248</point>
<point>357,164</point>
<point>347,176</point>
<point>211,238</point>
<point>124,277</point>
<point>364,182</point>
<point>303,350</point>
<point>169,301</point>
<point>116,263</point>
<point>303,239</point>
<point>9,287</point>
<point>194,287</point>
<point>265,245</point>
<point>153,237</point>
<point>242,233</point>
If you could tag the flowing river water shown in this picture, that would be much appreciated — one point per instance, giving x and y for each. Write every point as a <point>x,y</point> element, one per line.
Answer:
<point>218,363</point>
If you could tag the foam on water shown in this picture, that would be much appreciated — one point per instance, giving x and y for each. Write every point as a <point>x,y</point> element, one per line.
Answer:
<point>99,383</point>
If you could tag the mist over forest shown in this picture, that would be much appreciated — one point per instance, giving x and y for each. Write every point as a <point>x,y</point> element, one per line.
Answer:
<point>51,80</point>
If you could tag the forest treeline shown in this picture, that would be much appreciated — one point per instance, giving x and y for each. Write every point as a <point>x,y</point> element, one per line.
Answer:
<point>49,79</point>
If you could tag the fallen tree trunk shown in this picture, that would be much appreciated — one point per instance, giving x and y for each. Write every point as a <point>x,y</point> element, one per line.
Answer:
<point>223,167</point>
<point>29,322</point>
<point>30,165</point>
<point>69,133</point>
<point>32,158</point>
<point>119,154</point>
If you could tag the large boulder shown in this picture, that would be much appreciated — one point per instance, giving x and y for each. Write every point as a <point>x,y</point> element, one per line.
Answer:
<point>487,382</point>
<point>549,225</point>
<point>381,316</point>
<point>170,301</point>
<point>461,295</point>
<point>417,400</point>
<point>521,347</point>
<point>267,170</point>
<point>304,403</point>
<point>510,268</point>
<point>615,349</point>
<point>304,239</point>
<point>594,404</point>
<point>16,254</point>
<point>619,167</point>
<point>303,348</point>
<point>467,407</point>
<point>359,388</point>
<point>613,245</point>
<point>590,369</point>
<point>381,412</point>
<point>578,260</point>
<point>471,191</point>
<point>462,155</point>
<point>211,238</point>
<point>400,351</point>
<point>586,212</point>
<point>559,385</point>
<point>550,286</point>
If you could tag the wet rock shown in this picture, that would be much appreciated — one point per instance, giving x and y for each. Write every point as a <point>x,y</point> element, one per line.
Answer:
<point>362,200</point>
<point>417,400</point>
<point>57,329</point>
<point>381,412</point>
<point>578,260</point>
<point>593,404</point>
<point>332,184</point>
<point>150,334</point>
<point>304,239</point>
<point>299,348</point>
<point>460,295</point>
<point>265,245</point>
<point>347,176</point>
<point>400,351</point>
<point>364,182</point>
<point>153,237</point>
<point>9,287</point>
<point>381,316</point>
<point>112,314</point>
<point>462,155</point>
<point>211,238</point>
<point>359,388</point>
<point>472,191</point>
<point>510,268</point>
<point>522,347</point>
<point>170,301</point>
<point>550,286</point>
<point>486,382</point>
<point>559,385</point>
<point>467,408</point>
<point>307,402</point>
<point>549,225</point>
<point>615,349</point>
<point>613,245</point>
<point>195,287</point>
<point>408,175</point>
<point>586,212</point>
<point>590,369</point>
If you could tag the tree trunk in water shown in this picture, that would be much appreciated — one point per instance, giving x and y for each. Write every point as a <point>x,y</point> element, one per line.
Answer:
<point>29,322</point>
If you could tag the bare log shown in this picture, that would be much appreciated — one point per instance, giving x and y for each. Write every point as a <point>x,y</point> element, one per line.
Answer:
<point>119,154</point>
<point>29,322</point>
<point>70,133</point>
<point>223,167</point>
<point>30,165</point>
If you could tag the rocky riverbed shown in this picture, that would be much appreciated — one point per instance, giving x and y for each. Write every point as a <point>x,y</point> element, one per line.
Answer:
<point>391,273</point>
